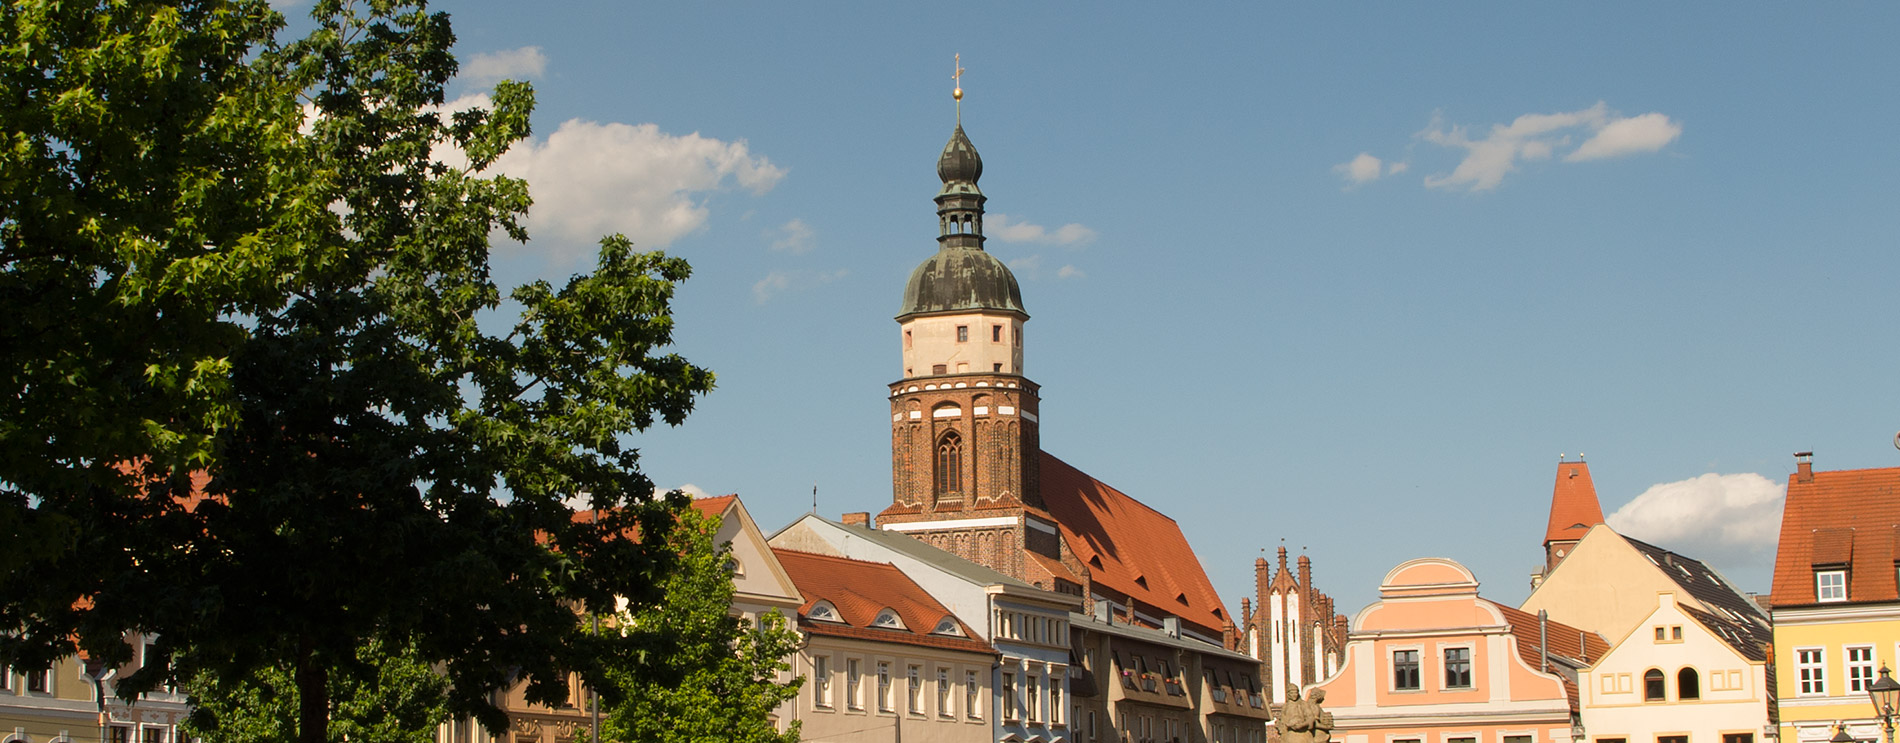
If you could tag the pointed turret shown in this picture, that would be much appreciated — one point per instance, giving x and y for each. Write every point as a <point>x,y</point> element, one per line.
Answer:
<point>1573,510</point>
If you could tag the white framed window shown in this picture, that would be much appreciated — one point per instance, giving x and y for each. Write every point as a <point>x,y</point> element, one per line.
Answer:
<point>151,734</point>
<point>972,696</point>
<point>1860,668</point>
<point>853,684</point>
<point>1009,695</point>
<point>1405,670</point>
<point>821,681</point>
<point>37,682</point>
<point>883,686</point>
<point>1830,585</point>
<point>1056,679</point>
<point>1032,688</point>
<point>944,706</point>
<point>1810,668</point>
<point>1458,668</point>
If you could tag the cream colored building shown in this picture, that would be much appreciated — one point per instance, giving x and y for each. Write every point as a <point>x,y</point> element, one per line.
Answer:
<point>61,704</point>
<point>1689,662</point>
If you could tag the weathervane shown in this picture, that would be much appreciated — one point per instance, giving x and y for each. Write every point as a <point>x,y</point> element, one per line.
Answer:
<point>957,91</point>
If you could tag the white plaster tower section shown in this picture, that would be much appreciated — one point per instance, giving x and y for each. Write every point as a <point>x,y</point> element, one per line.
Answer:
<point>1319,654</point>
<point>1294,668</point>
<point>1276,642</point>
<point>963,343</point>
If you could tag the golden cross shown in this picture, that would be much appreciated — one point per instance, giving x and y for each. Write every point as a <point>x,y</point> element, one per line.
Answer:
<point>957,93</point>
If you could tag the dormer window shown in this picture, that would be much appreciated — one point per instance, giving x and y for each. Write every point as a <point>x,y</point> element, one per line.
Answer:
<point>1830,585</point>
<point>888,618</point>
<point>948,626</point>
<point>823,611</point>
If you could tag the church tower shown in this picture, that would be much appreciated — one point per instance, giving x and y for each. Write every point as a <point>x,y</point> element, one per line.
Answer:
<point>1573,510</point>
<point>964,442</point>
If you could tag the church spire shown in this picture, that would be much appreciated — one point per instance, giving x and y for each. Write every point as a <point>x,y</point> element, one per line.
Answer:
<point>960,202</point>
<point>1573,510</point>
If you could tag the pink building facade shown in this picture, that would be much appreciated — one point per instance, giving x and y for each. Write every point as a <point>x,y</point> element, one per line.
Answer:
<point>1432,662</point>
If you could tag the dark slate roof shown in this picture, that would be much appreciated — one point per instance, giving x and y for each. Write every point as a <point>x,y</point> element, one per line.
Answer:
<point>958,279</point>
<point>959,161</point>
<point>1732,617</point>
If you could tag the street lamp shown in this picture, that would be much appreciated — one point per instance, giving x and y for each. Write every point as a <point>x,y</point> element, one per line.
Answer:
<point>1885,692</point>
<point>1840,734</point>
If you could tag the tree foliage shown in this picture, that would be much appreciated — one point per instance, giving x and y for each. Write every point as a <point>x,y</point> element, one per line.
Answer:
<point>714,676</point>
<point>229,256</point>
<point>395,698</point>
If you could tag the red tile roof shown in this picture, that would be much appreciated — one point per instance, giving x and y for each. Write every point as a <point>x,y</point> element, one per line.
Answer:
<point>1573,504</point>
<point>860,590</point>
<point>1842,517</point>
<point>1140,552</point>
<point>1566,641</point>
<point>715,506</point>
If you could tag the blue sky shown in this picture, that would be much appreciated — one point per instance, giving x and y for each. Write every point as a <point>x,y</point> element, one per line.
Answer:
<point>1662,236</point>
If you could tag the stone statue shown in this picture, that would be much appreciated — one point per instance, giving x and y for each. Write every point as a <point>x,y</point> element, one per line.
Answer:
<point>1323,725</point>
<point>1297,718</point>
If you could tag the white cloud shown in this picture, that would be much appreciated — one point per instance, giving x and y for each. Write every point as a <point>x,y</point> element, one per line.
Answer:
<point>1362,169</point>
<point>1069,272</point>
<point>691,491</point>
<point>1539,136</point>
<point>1730,521</point>
<point>1002,227</point>
<point>779,282</point>
<point>487,68</point>
<point>1646,133</point>
<point>1026,267</point>
<point>585,501</point>
<point>1397,168</point>
<point>590,179</point>
<point>793,237</point>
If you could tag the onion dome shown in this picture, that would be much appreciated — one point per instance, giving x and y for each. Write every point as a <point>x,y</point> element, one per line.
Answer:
<point>961,276</point>
<point>959,161</point>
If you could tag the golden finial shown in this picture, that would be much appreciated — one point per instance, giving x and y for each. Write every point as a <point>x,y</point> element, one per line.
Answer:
<point>957,92</point>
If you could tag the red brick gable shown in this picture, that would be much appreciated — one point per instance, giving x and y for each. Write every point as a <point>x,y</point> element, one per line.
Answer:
<point>1129,547</point>
<point>860,590</point>
<point>1843,518</point>
<point>1573,504</point>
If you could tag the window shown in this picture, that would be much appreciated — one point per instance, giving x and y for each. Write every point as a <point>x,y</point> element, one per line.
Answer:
<point>1055,698</point>
<point>1738,738</point>
<point>1675,632</point>
<point>6,678</point>
<point>853,685</point>
<point>1660,636</point>
<point>963,333</point>
<point>949,464</point>
<point>972,696</point>
<point>120,734</point>
<point>1518,738</point>
<point>1457,668</point>
<point>1860,668</point>
<point>907,340</point>
<point>39,682</point>
<point>915,690</point>
<point>1688,684</point>
<point>1830,585</point>
<point>1672,739</point>
<point>1405,670</point>
<point>1613,740</point>
<point>1032,687</point>
<point>883,686</point>
<point>1809,669</point>
<point>1016,333</point>
<point>996,334</point>
<point>152,735</point>
<point>996,367</point>
<point>939,369</point>
<point>943,694</point>
<point>1465,739</point>
<point>821,681</point>
<point>1091,724</point>
<point>1009,696</point>
<point>1653,686</point>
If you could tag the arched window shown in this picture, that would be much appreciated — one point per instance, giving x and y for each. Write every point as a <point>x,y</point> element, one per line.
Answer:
<point>949,464</point>
<point>1688,684</point>
<point>1653,686</point>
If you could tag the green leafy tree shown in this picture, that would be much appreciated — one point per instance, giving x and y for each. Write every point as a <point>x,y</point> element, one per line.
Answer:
<point>398,699</point>
<point>254,267</point>
<point>724,682</point>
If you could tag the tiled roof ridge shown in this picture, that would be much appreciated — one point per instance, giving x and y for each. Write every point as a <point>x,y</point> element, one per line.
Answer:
<point>1818,474</point>
<point>1748,640</point>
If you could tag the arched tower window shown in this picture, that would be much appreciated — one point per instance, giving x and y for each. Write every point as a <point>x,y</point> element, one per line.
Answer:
<point>949,464</point>
<point>1688,684</point>
<point>1653,686</point>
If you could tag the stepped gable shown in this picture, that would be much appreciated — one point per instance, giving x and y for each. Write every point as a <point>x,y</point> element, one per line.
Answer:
<point>1573,504</point>
<point>1842,518</point>
<point>1129,547</point>
<point>860,590</point>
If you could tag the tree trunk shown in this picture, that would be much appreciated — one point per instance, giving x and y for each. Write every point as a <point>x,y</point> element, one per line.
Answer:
<point>313,698</point>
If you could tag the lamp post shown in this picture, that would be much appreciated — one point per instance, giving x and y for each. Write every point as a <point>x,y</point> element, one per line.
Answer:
<point>1885,692</point>
<point>1840,734</point>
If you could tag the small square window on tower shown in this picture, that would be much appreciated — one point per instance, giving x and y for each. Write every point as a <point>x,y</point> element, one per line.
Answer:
<point>963,333</point>
<point>939,369</point>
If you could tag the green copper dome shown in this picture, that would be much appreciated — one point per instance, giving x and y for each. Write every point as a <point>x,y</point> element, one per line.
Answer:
<point>961,276</point>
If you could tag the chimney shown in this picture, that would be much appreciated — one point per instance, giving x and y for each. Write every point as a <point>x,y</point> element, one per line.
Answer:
<point>858,518</point>
<point>1172,626</point>
<point>1804,466</point>
<point>1103,612</point>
